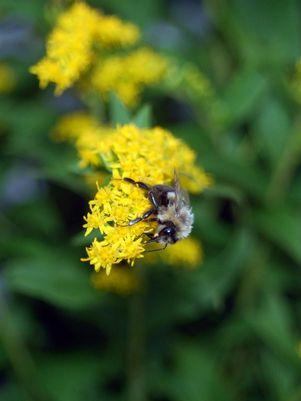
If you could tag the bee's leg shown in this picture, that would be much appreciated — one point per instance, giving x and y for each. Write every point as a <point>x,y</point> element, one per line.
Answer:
<point>152,198</point>
<point>140,184</point>
<point>145,216</point>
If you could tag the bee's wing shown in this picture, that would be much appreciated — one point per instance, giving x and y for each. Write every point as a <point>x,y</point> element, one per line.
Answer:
<point>181,196</point>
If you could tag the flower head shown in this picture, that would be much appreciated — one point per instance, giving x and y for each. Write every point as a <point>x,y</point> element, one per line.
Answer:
<point>121,281</point>
<point>128,74</point>
<point>148,155</point>
<point>187,253</point>
<point>71,45</point>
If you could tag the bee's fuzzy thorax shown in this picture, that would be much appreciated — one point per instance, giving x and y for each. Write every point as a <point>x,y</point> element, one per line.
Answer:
<point>182,219</point>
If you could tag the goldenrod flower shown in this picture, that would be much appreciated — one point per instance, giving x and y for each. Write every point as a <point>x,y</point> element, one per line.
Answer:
<point>148,155</point>
<point>187,253</point>
<point>73,125</point>
<point>7,78</point>
<point>71,45</point>
<point>121,281</point>
<point>112,32</point>
<point>127,75</point>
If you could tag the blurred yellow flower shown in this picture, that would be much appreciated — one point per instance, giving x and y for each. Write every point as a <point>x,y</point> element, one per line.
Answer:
<point>187,253</point>
<point>112,32</point>
<point>70,46</point>
<point>148,155</point>
<point>73,125</point>
<point>7,78</point>
<point>127,75</point>
<point>121,281</point>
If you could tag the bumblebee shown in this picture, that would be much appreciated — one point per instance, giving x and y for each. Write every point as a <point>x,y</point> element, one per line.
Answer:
<point>170,209</point>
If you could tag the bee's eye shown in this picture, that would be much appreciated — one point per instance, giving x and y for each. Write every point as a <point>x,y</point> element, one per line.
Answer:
<point>168,231</point>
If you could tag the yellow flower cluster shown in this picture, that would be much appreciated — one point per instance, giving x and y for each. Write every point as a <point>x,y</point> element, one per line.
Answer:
<point>148,155</point>
<point>121,281</point>
<point>7,78</point>
<point>128,74</point>
<point>70,46</point>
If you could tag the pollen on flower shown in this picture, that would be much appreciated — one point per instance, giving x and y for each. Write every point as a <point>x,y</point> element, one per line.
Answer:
<point>121,281</point>
<point>70,47</point>
<point>148,155</point>
<point>128,74</point>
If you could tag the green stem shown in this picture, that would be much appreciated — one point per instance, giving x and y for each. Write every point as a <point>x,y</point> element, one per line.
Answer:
<point>284,170</point>
<point>18,355</point>
<point>136,349</point>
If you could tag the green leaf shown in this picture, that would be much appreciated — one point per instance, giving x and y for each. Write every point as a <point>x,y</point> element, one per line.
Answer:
<point>72,376</point>
<point>273,322</point>
<point>264,32</point>
<point>143,117</point>
<point>272,129</point>
<point>283,227</point>
<point>54,276</point>
<point>241,97</point>
<point>196,376</point>
<point>280,377</point>
<point>118,112</point>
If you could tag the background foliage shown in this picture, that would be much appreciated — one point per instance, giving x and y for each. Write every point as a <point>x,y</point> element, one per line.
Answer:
<point>226,331</point>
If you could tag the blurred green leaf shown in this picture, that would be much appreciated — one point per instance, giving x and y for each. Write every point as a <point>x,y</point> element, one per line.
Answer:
<point>118,111</point>
<point>281,378</point>
<point>143,117</point>
<point>196,376</point>
<point>264,32</point>
<point>72,376</point>
<point>283,227</point>
<point>272,129</point>
<point>273,322</point>
<point>241,97</point>
<point>54,276</point>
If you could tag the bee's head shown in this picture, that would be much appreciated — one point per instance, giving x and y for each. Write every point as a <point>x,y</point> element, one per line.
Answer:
<point>167,235</point>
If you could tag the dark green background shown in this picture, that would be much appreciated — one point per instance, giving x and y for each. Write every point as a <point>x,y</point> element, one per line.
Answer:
<point>227,331</point>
